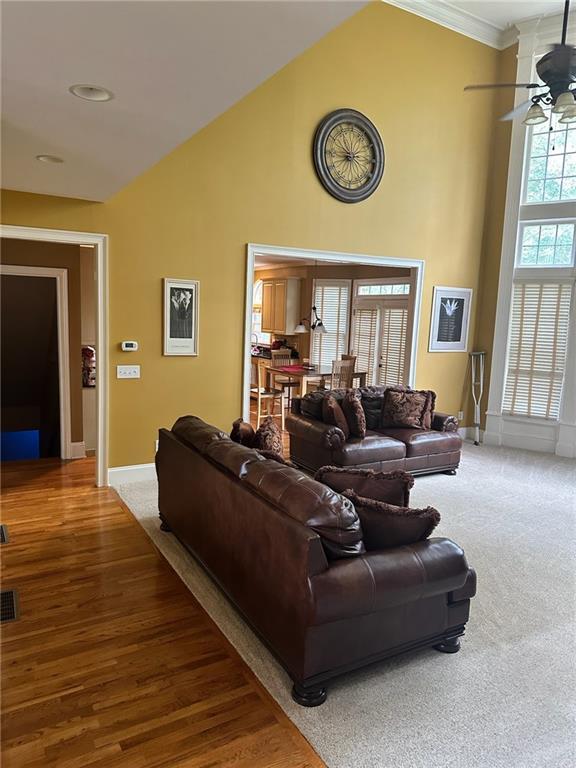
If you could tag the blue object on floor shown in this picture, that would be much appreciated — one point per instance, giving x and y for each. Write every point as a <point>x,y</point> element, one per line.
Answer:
<point>21,445</point>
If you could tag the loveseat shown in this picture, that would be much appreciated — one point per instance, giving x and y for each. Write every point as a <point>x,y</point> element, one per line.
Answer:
<point>313,443</point>
<point>289,553</point>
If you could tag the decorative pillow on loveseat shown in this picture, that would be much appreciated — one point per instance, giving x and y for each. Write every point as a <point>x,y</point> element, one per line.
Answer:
<point>391,487</point>
<point>243,433</point>
<point>268,437</point>
<point>354,413</point>
<point>387,525</point>
<point>333,414</point>
<point>408,408</point>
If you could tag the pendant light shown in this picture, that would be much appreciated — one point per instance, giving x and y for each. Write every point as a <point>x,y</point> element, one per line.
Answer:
<point>535,115</point>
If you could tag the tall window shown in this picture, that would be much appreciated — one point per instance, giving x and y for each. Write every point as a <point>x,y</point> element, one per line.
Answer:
<point>544,273</point>
<point>332,302</point>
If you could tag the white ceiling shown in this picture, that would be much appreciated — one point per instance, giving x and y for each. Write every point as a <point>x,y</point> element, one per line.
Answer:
<point>173,67</point>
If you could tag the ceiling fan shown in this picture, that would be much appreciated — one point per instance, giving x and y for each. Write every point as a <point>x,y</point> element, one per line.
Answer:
<point>557,71</point>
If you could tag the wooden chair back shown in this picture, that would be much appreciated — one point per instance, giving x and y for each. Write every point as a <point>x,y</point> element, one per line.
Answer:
<point>281,357</point>
<point>342,374</point>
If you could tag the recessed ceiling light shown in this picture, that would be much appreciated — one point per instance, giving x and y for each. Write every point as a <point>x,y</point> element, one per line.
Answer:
<point>49,159</point>
<point>91,92</point>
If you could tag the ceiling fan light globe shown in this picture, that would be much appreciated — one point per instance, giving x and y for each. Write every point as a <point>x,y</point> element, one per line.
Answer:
<point>569,115</point>
<point>535,115</point>
<point>563,102</point>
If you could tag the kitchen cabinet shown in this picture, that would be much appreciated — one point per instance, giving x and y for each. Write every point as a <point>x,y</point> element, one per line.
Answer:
<point>280,305</point>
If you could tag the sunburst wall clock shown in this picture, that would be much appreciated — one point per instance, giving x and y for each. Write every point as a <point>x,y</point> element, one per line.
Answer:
<point>348,155</point>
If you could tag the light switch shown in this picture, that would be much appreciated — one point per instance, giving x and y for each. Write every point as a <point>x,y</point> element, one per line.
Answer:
<point>127,371</point>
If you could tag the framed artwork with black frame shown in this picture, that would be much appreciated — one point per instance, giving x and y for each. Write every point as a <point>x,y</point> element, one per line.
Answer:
<point>450,319</point>
<point>181,316</point>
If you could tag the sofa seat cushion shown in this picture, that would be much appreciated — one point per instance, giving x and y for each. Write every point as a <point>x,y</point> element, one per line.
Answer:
<point>423,443</point>
<point>373,448</point>
<point>311,503</point>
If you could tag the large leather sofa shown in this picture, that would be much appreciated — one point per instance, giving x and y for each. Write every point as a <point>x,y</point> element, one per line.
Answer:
<point>314,444</point>
<point>288,553</point>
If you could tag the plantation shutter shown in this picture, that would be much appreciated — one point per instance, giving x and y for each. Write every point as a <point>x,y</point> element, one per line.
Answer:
<point>332,302</point>
<point>537,349</point>
<point>364,330</point>
<point>393,328</point>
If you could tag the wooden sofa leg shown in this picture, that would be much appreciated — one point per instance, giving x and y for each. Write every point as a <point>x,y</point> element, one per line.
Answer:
<point>309,697</point>
<point>450,472</point>
<point>450,645</point>
<point>164,526</point>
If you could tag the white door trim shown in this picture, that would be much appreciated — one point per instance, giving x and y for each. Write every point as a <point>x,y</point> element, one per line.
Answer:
<point>100,243</point>
<point>61,277</point>
<point>255,249</point>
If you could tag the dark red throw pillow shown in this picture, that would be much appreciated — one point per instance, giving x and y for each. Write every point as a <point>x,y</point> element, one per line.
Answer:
<point>242,433</point>
<point>391,487</point>
<point>354,413</point>
<point>268,437</point>
<point>333,414</point>
<point>386,525</point>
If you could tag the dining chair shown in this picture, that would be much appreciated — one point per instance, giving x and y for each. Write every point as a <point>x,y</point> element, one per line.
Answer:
<point>282,358</point>
<point>342,373</point>
<point>263,394</point>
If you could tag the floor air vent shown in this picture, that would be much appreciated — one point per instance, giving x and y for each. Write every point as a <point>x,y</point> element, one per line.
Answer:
<point>3,534</point>
<point>8,605</point>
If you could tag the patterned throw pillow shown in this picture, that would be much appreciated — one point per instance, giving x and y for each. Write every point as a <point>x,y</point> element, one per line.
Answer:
<point>268,437</point>
<point>386,525</point>
<point>333,414</point>
<point>391,487</point>
<point>243,433</point>
<point>428,410</point>
<point>354,413</point>
<point>404,409</point>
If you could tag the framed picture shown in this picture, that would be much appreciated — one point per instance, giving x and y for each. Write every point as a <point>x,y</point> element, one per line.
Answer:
<point>180,317</point>
<point>450,319</point>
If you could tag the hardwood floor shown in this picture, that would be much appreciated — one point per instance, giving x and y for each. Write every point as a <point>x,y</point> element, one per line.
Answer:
<point>112,661</point>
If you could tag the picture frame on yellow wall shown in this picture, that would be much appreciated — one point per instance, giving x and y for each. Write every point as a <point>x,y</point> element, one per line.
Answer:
<point>181,299</point>
<point>450,319</point>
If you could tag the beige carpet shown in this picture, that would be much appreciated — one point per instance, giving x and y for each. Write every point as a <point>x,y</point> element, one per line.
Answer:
<point>507,700</point>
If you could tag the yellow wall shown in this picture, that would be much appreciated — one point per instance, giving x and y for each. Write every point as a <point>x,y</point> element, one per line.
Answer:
<point>248,177</point>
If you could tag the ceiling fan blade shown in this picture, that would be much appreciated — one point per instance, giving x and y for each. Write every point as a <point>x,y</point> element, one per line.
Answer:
<point>502,85</point>
<point>518,111</point>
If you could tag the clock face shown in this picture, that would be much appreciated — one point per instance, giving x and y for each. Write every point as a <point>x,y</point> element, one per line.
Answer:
<point>348,155</point>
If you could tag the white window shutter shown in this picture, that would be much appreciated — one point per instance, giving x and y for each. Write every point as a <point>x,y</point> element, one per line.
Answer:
<point>364,340</point>
<point>393,328</point>
<point>537,349</point>
<point>332,302</point>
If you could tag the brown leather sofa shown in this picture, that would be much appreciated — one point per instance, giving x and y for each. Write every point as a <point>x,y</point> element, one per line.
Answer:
<point>288,553</point>
<point>314,444</point>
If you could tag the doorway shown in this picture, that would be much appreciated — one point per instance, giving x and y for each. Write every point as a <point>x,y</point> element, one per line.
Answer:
<point>70,358</point>
<point>369,305</point>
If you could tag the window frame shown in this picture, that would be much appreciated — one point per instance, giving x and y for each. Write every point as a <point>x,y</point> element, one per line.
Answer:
<point>557,268</point>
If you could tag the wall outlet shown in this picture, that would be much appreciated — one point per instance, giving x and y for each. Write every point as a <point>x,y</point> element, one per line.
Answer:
<point>127,371</point>
<point>460,415</point>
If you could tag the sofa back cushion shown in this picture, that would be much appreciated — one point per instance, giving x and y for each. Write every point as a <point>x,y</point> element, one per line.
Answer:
<point>372,402</point>
<point>311,503</point>
<point>391,487</point>
<point>195,432</point>
<point>311,404</point>
<point>387,525</point>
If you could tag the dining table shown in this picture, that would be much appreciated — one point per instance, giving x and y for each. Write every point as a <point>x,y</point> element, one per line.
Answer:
<point>305,375</point>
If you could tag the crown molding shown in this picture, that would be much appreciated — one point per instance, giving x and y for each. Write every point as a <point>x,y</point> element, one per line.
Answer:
<point>447,15</point>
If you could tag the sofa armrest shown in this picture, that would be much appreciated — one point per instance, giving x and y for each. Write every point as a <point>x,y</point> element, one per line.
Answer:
<point>324,435</point>
<point>379,580</point>
<point>443,422</point>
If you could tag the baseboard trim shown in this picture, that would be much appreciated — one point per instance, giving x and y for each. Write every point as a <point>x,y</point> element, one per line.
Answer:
<point>131,474</point>
<point>469,433</point>
<point>78,450</point>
